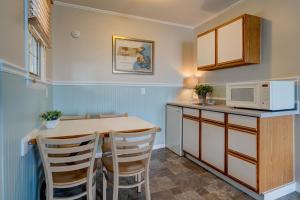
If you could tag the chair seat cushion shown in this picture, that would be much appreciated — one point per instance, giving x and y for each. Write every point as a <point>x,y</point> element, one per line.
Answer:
<point>124,168</point>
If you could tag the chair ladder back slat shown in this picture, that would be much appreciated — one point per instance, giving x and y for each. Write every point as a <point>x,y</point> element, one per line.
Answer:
<point>75,149</point>
<point>57,160</point>
<point>55,141</point>
<point>68,168</point>
<point>129,143</point>
<point>133,151</point>
<point>134,134</point>
<point>133,158</point>
<point>113,115</point>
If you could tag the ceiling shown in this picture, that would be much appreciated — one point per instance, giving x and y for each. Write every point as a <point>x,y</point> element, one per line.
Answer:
<point>183,12</point>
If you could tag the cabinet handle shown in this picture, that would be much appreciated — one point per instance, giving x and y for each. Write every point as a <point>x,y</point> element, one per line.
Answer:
<point>191,117</point>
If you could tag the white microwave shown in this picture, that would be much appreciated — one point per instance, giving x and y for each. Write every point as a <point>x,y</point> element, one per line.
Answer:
<point>262,95</point>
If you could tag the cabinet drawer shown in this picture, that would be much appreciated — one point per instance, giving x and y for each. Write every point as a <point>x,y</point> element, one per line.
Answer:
<point>191,112</point>
<point>241,142</point>
<point>243,121</point>
<point>242,170</point>
<point>215,116</point>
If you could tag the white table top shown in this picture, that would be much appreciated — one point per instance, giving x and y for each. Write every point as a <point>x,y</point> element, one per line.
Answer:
<point>103,126</point>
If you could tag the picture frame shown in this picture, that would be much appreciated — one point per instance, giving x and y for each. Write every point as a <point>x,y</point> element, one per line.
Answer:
<point>132,56</point>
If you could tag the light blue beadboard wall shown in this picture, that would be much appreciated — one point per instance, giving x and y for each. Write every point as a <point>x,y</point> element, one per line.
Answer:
<point>21,106</point>
<point>82,99</point>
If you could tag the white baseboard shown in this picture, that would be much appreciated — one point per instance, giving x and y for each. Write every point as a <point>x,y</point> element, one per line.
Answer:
<point>159,146</point>
<point>280,192</point>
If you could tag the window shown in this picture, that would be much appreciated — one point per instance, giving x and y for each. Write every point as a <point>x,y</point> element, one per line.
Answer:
<point>35,57</point>
<point>39,21</point>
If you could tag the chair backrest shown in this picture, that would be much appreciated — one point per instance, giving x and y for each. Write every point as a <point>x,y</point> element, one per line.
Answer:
<point>113,115</point>
<point>131,147</point>
<point>73,117</point>
<point>68,155</point>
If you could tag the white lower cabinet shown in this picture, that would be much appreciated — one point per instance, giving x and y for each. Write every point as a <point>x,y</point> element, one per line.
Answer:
<point>242,170</point>
<point>213,145</point>
<point>190,132</point>
<point>174,129</point>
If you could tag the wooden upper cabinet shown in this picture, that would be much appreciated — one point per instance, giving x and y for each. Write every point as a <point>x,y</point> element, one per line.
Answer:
<point>206,49</point>
<point>236,43</point>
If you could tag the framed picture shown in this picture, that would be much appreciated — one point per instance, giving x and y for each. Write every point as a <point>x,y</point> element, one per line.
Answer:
<point>132,56</point>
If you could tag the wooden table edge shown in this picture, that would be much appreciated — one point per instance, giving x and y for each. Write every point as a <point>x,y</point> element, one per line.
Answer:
<point>32,141</point>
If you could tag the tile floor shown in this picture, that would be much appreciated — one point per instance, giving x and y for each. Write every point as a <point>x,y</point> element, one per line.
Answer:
<point>177,178</point>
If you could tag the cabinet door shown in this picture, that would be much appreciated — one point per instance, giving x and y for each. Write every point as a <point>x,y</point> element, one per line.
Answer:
<point>213,145</point>
<point>230,42</point>
<point>174,129</point>
<point>206,49</point>
<point>191,136</point>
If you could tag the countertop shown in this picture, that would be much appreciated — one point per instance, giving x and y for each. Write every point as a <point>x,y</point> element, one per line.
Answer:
<point>239,111</point>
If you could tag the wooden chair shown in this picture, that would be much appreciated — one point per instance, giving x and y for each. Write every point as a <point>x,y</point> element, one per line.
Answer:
<point>68,163</point>
<point>112,115</point>
<point>131,153</point>
<point>74,117</point>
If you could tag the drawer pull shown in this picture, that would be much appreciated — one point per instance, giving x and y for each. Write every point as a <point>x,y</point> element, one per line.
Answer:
<point>242,129</point>
<point>191,117</point>
<point>242,156</point>
<point>213,122</point>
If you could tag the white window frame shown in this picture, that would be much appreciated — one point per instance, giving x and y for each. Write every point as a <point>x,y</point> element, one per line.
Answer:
<point>36,58</point>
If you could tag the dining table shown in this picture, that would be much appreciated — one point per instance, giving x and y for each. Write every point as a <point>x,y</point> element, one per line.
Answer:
<point>103,126</point>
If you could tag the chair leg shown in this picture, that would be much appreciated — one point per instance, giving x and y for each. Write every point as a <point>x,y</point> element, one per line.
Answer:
<point>147,186</point>
<point>139,179</point>
<point>49,193</point>
<point>104,187</point>
<point>116,187</point>
<point>94,192</point>
<point>90,189</point>
<point>136,178</point>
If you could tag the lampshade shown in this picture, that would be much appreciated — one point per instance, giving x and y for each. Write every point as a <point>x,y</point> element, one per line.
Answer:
<point>190,82</point>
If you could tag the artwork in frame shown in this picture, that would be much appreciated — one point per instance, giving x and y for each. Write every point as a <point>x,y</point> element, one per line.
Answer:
<point>133,56</point>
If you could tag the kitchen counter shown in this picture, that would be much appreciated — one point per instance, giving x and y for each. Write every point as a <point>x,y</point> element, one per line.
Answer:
<point>239,111</point>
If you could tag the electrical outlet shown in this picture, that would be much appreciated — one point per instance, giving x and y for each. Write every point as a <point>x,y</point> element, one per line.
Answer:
<point>143,91</point>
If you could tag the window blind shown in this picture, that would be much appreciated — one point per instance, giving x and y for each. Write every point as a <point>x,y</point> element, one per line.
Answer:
<point>40,20</point>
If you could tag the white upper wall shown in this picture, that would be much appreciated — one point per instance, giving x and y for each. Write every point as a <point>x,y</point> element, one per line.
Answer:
<point>89,58</point>
<point>12,31</point>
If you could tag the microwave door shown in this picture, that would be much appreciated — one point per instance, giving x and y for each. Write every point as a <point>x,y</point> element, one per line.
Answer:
<point>244,96</point>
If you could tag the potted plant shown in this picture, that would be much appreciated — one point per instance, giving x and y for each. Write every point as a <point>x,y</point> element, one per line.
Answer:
<point>202,90</point>
<point>51,118</point>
